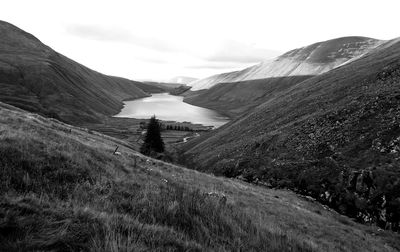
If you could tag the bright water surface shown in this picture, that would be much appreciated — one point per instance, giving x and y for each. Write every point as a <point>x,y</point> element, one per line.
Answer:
<point>171,108</point>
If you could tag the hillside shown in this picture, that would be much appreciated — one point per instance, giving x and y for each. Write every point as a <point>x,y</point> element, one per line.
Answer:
<point>309,60</point>
<point>334,137</point>
<point>236,98</point>
<point>213,80</point>
<point>36,78</point>
<point>62,189</point>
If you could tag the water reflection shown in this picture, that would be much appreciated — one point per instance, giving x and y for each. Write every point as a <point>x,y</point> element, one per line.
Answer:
<point>171,108</point>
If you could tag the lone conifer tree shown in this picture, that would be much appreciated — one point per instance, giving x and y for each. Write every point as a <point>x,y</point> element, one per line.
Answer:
<point>153,141</point>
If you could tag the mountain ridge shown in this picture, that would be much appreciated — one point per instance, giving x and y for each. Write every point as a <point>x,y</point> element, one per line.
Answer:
<point>313,59</point>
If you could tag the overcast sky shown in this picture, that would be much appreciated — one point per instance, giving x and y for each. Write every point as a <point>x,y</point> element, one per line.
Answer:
<point>148,39</point>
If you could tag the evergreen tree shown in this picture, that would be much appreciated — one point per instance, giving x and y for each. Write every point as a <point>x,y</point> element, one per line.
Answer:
<point>153,141</point>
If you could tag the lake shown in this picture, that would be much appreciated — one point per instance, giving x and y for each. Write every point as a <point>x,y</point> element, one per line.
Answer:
<point>171,108</point>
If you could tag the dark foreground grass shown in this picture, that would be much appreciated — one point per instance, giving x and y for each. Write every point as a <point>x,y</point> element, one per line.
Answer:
<point>59,193</point>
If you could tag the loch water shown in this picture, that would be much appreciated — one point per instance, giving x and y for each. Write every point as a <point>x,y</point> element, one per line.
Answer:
<point>171,108</point>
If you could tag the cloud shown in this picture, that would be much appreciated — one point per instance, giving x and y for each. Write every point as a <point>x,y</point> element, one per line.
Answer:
<point>235,51</point>
<point>194,54</point>
<point>216,65</point>
<point>117,34</point>
<point>154,60</point>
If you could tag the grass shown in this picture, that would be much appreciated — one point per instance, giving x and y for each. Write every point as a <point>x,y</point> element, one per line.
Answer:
<point>63,190</point>
<point>66,192</point>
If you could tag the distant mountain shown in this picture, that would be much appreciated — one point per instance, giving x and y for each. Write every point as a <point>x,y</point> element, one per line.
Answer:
<point>309,60</point>
<point>36,78</point>
<point>335,137</point>
<point>152,87</point>
<point>181,80</point>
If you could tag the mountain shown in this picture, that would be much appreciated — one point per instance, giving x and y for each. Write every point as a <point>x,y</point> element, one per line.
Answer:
<point>36,78</point>
<point>335,137</point>
<point>63,189</point>
<point>181,80</point>
<point>236,98</point>
<point>309,60</point>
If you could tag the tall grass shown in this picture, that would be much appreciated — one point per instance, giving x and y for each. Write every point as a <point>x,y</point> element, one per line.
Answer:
<point>59,194</point>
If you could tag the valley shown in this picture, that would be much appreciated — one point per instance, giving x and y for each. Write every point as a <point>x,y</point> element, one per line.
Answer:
<point>36,78</point>
<point>297,153</point>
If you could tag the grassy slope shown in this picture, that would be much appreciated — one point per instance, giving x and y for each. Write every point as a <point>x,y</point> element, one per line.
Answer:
<point>62,189</point>
<point>36,78</point>
<point>236,98</point>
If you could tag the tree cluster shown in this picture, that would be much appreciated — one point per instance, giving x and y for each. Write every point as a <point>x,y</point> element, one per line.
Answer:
<point>178,127</point>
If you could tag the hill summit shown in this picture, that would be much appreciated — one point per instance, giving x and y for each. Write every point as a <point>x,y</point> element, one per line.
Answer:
<point>313,59</point>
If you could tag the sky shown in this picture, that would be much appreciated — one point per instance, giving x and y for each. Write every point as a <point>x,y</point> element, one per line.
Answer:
<point>161,39</point>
